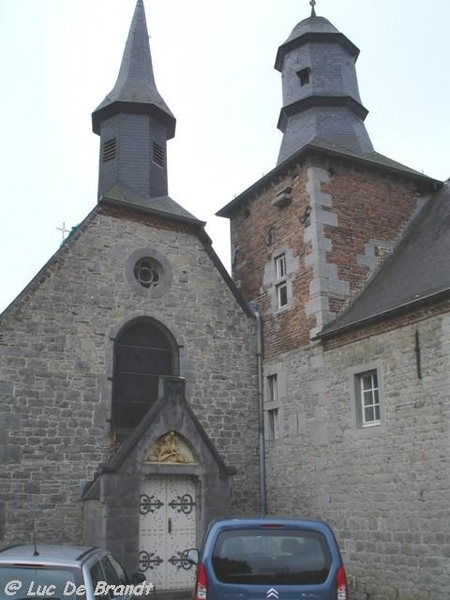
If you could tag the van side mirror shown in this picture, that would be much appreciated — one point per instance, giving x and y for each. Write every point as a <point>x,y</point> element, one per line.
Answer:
<point>137,578</point>
<point>193,556</point>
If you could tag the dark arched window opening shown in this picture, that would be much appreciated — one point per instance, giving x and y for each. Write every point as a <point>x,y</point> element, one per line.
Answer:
<point>143,351</point>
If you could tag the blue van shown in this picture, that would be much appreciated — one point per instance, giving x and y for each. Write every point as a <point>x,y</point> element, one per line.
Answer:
<point>269,559</point>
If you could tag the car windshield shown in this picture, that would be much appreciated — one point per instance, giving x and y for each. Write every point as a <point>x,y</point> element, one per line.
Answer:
<point>19,582</point>
<point>271,556</point>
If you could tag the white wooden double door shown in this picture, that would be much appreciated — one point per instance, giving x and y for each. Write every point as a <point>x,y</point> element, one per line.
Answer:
<point>167,527</point>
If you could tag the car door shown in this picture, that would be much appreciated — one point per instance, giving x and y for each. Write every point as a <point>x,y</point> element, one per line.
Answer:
<point>114,576</point>
<point>108,579</point>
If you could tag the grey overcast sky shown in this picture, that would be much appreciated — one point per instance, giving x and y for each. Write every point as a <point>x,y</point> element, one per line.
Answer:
<point>213,62</point>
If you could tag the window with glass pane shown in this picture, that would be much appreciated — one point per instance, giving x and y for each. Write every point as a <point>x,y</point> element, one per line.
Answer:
<point>273,426</point>
<point>282,297</point>
<point>370,399</point>
<point>280,266</point>
<point>272,381</point>
<point>143,352</point>
<point>271,557</point>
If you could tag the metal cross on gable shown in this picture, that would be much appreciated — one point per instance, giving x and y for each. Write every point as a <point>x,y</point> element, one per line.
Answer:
<point>313,4</point>
<point>63,230</point>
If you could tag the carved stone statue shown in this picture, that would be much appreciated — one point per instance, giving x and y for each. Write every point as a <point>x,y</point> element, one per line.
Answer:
<point>168,450</point>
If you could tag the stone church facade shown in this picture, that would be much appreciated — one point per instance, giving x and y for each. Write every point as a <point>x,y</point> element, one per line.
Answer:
<point>128,372</point>
<point>144,391</point>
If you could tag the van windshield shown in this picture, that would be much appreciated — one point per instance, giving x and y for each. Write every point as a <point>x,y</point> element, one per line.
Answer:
<point>271,556</point>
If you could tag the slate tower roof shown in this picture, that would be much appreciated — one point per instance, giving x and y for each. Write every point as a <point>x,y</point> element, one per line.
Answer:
<point>135,88</point>
<point>134,124</point>
<point>321,102</point>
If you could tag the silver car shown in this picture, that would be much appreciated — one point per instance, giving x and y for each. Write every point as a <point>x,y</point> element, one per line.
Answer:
<point>56,572</point>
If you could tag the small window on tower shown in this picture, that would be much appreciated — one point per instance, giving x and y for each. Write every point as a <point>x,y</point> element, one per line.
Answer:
<point>281,276</point>
<point>304,75</point>
<point>282,297</point>
<point>158,154</point>
<point>109,150</point>
<point>280,266</point>
<point>272,383</point>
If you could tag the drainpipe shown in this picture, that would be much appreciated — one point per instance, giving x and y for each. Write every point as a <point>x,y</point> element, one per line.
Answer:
<point>261,438</point>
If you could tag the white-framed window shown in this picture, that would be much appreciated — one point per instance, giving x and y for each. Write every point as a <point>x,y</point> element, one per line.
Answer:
<point>272,407</point>
<point>369,394</point>
<point>272,384</point>
<point>280,272</point>
<point>281,277</point>
<point>282,294</point>
<point>273,425</point>
<point>280,266</point>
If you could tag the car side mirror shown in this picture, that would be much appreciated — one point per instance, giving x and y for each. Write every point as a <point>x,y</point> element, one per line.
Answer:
<point>192,556</point>
<point>137,578</point>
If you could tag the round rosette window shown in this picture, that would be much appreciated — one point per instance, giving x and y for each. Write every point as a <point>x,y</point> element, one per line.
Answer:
<point>148,272</point>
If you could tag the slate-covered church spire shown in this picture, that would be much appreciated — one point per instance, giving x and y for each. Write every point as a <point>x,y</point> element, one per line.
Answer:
<point>134,122</point>
<point>321,102</point>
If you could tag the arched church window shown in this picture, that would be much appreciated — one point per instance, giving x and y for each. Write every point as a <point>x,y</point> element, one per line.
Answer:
<point>143,351</point>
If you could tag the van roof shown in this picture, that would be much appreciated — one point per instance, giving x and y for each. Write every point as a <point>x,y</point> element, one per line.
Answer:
<point>269,520</point>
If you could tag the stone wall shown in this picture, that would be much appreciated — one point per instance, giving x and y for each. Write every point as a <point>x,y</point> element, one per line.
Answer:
<point>383,488</point>
<point>56,353</point>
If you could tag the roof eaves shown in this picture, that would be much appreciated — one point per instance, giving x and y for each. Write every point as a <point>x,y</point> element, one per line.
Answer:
<point>260,184</point>
<point>111,107</point>
<point>151,210</point>
<point>395,168</point>
<point>333,331</point>
<point>315,100</point>
<point>306,37</point>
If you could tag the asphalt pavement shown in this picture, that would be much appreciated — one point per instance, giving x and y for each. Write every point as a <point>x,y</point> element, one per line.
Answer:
<point>170,595</point>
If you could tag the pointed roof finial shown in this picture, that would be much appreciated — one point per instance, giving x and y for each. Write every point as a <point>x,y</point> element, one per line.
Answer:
<point>313,11</point>
<point>135,83</point>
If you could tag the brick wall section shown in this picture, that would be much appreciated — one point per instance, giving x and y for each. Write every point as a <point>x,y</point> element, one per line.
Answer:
<point>357,214</point>
<point>258,231</point>
<point>372,210</point>
<point>56,364</point>
<point>385,488</point>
